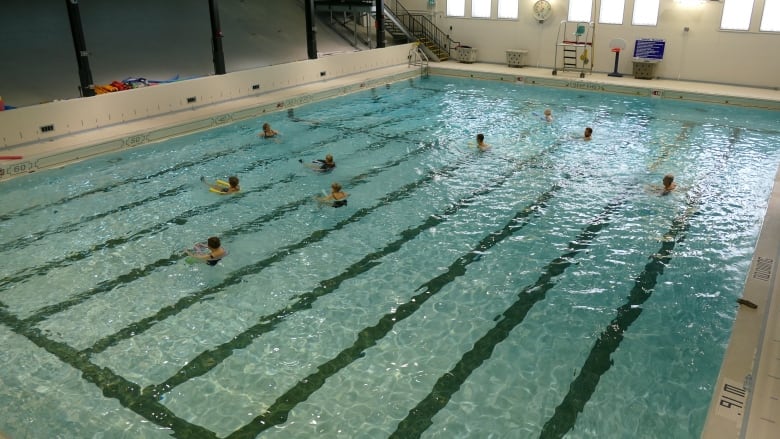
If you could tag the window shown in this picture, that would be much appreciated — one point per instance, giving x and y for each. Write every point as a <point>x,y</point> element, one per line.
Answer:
<point>580,10</point>
<point>645,13</point>
<point>736,14</point>
<point>770,22</point>
<point>507,9</point>
<point>612,11</point>
<point>456,8</point>
<point>480,8</point>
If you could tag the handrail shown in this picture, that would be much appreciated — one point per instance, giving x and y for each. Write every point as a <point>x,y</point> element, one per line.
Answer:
<point>418,57</point>
<point>421,25</point>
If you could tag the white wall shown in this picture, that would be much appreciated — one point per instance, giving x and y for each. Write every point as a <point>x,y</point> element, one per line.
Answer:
<point>23,125</point>
<point>705,53</point>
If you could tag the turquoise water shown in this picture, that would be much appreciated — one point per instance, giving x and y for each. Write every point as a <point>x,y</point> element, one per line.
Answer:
<point>540,289</point>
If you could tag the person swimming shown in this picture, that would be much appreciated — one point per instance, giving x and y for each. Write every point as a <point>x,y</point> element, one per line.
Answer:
<point>221,188</point>
<point>588,135</point>
<point>337,197</point>
<point>210,252</point>
<point>268,131</point>
<point>321,165</point>
<point>481,145</point>
<point>669,184</point>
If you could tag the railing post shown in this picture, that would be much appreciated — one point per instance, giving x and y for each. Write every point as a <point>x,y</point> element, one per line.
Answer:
<point>218,54</point>
<point>82,56</point>
<point>311,30</point>
<point>380,24</point>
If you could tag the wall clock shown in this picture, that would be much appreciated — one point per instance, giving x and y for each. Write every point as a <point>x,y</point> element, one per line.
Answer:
<point>542,10</point>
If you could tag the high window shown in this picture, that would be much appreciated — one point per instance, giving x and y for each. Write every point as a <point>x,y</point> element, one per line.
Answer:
<point>736,14</point>
<point>580,10</point>
<point>456,8</point>
<point>770,21</point>
<point>645,13</point>
<point>612,11</point>
<point>480,8</point>
<point>507,9</point>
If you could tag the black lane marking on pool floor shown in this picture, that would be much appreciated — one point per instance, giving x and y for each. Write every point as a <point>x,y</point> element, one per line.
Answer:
<point>207,157</point>
<point>135,274</point>
<point>31,238</point>
<point>278,411</point>
<point>146,403</point>
<point>184,303</point>
<point>24,274</point>
<point>77,256</point>
<point>110,384</point>
<point>599,360</point>
<point>421,416</point>
<point>237,276</point>
<point>207,360</point>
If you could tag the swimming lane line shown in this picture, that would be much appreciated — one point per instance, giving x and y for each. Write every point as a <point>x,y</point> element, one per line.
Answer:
<point>421,416</point>
<point>277,413</point>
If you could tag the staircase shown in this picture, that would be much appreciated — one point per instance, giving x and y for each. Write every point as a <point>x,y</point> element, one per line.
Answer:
<point>417,27</point>
<point>400,24</point>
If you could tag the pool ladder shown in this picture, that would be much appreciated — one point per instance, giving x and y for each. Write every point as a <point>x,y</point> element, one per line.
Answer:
<point>418,58</point>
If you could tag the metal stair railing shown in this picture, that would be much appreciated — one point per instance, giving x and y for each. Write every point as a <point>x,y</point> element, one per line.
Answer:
<point>421,29</point>
<point>417,57</point>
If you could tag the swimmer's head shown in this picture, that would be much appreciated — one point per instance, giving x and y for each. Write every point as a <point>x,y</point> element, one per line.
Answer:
<point>668,179</point>
<point>329,158</point>
<point>214,242</point>
<point>335,187</point>
<point>480,138</point>
<point>548,112</point>
<point>266,126</point>
<point>588,131</point>
<point>233,180</point>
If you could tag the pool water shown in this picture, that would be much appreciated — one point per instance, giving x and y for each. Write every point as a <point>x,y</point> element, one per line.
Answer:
<point>543,288</point>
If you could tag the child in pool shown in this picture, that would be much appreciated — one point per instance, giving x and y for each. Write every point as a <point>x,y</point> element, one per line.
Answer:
<point>232,187</point>
<point>210,252</point>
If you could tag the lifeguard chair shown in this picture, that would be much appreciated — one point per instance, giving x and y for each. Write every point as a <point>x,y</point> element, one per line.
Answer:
<point>575,44</point>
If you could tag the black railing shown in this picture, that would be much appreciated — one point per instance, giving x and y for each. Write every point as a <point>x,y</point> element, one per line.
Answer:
<point>421,26</point>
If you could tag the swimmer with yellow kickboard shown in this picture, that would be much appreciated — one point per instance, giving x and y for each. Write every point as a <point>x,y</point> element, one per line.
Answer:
<point>223,187</point>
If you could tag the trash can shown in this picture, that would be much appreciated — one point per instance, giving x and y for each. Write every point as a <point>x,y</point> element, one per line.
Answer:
<point>515,57</point>
<point>645,68</point>
<point>467,54</point>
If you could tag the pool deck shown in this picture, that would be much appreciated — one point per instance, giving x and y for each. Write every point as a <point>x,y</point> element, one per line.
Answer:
<point>746,402</point>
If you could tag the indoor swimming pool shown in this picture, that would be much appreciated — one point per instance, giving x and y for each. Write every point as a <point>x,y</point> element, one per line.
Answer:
<point>541,289</point>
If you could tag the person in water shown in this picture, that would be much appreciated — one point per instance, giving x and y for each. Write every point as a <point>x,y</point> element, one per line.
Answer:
<point>268,131</point>
<point>669,184</point>
<point>588,134</point>
<point>481,145</point>
<point>320,165</point>
<point>210,252</point>
<point>337,197</point>
<point>548,117</point>
<point>232,187</point>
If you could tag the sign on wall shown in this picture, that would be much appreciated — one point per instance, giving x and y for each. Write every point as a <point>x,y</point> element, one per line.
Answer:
<point>649,48</point>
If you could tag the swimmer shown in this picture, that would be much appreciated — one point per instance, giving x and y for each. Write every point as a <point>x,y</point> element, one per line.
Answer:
<point>548,115</point>
<point>268,131</point>
<point>481,145</point>
<point>231,188</point>
<point>588,134</point>
<point>320,165</point>
<point>337,197</point>
<point>210,252</point>
<point>669,184</point>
